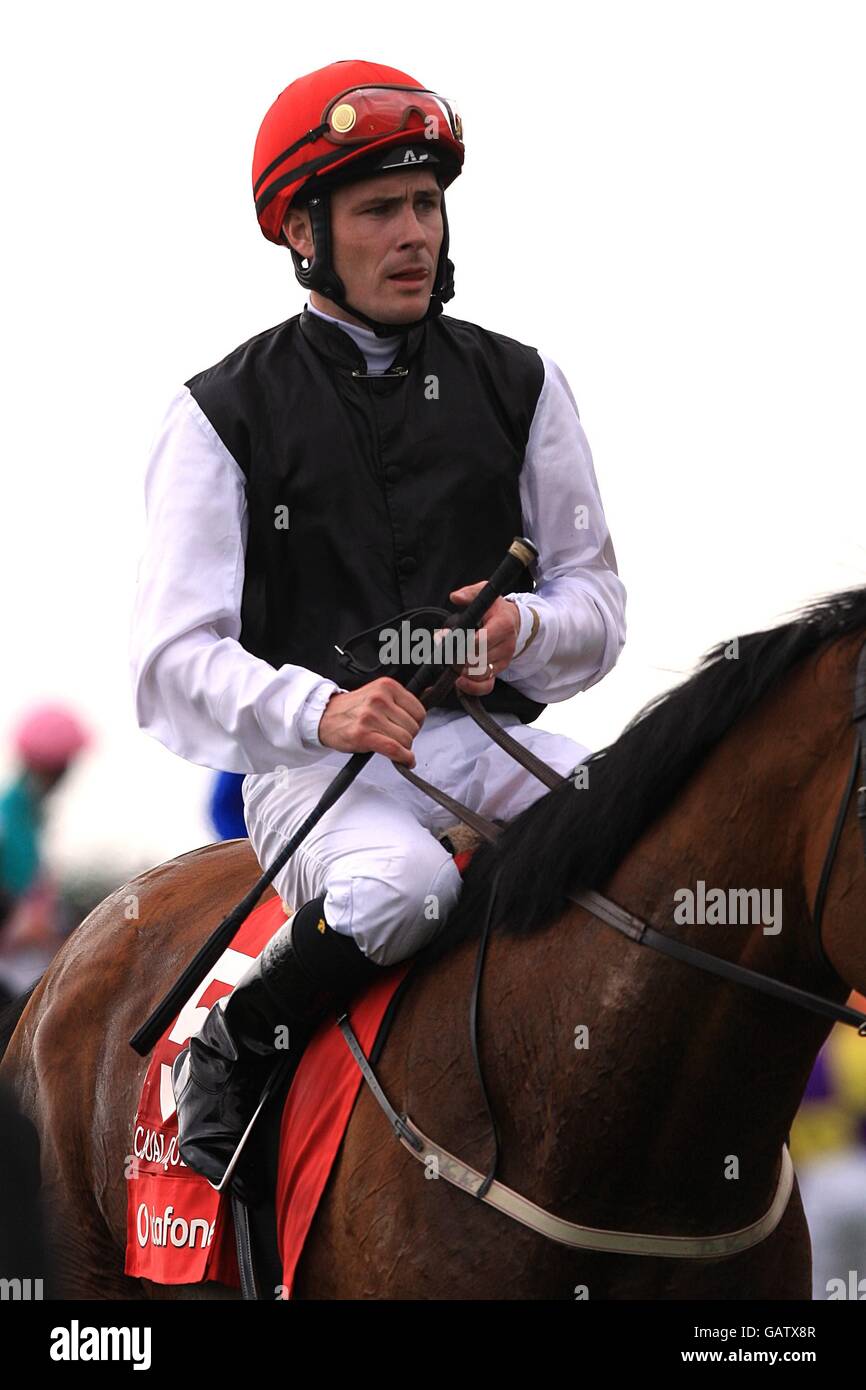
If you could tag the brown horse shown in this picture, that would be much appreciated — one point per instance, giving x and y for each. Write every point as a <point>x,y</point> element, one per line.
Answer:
<point>732,778</point>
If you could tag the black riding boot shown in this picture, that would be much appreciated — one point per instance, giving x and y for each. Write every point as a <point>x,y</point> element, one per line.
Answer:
<point>304,967</point>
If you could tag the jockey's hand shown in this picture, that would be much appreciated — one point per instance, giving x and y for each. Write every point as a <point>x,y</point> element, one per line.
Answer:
<point>382,717</point>
<point>496,640</point>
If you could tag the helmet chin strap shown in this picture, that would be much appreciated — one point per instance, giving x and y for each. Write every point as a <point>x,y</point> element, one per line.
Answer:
<point>321,276</point>
<point>382,330</point>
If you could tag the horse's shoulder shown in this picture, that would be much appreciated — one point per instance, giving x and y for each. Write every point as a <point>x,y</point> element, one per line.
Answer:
<point>159,907</point>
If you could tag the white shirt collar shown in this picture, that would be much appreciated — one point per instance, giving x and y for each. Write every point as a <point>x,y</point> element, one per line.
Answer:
<point>378,352</point>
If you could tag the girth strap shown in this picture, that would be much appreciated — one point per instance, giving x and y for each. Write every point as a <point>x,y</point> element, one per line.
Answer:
<point>546,1223</point>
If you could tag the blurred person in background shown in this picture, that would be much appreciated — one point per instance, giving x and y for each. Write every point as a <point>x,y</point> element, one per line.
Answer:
<point>46,741</point>
<point>828,1145</point>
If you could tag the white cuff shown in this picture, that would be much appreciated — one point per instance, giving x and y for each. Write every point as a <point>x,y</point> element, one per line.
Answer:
<point>528,635</point>
<point>312,710</point>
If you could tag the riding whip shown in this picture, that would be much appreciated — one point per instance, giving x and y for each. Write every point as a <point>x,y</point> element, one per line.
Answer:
<point>521,553</point>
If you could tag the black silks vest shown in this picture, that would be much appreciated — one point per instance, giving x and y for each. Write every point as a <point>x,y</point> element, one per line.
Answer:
<point>397,488</point>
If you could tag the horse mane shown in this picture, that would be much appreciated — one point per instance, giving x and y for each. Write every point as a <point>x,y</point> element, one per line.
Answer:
<point>565,842</point>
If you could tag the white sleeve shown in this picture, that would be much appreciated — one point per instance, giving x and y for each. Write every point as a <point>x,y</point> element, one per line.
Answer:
<point>579,599</point>
<point>196,689</point>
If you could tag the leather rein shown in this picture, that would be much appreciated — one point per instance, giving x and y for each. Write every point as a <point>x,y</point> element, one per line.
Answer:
<point>489,1189</point>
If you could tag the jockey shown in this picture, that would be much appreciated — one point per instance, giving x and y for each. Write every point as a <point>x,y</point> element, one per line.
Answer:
<point>333,473</point>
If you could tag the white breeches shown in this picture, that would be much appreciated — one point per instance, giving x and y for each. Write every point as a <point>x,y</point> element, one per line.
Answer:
<point>388,882</point>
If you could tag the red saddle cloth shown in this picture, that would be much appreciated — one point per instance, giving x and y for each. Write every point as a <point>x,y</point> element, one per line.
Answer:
<point>316,1114</point>
<point>179,1229</point>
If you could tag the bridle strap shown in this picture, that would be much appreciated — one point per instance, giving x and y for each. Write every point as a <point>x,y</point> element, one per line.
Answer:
<point>644,935</point>
<point>860,721</point>
<point>830,856</point>
<point>858,764</point>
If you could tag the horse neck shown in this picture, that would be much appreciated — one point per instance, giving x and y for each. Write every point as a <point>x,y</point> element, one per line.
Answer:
<point>681,1069</point>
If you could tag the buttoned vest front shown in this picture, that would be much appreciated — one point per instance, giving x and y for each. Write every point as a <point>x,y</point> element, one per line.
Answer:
<point>371,495</point>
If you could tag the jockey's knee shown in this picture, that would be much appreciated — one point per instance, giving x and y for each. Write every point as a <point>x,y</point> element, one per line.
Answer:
<point>395,913</point>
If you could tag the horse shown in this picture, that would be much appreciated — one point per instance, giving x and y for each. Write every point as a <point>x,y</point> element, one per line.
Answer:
<point>671,1119</point>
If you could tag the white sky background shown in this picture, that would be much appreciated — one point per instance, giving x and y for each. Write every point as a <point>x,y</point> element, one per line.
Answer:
<point>667,198</point>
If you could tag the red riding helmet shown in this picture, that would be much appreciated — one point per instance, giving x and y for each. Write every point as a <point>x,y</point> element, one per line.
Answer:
<point>338,124</point>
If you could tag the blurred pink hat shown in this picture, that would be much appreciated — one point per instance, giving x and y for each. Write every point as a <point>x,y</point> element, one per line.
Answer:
<point>49,736</point>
